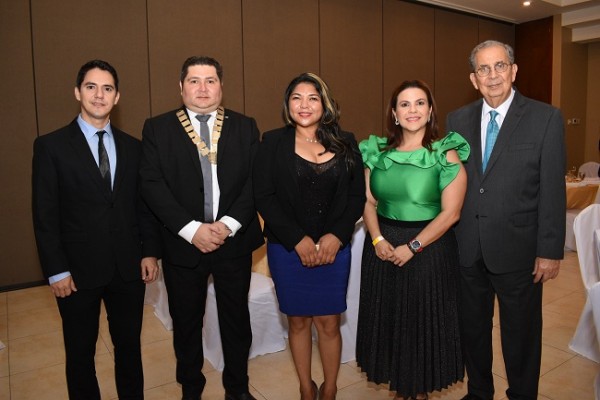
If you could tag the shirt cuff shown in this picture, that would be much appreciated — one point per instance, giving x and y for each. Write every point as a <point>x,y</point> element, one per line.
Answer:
<point>58,277</point>
<point>188,231</point>
<point>232,224</point>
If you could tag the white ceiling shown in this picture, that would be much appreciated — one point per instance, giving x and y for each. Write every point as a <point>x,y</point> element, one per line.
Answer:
<point>582,16</point>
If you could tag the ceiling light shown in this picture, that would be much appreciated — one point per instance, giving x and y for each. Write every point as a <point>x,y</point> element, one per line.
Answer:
<point>527,3</point>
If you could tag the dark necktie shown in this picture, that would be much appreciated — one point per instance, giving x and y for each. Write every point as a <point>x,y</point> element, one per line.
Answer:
<point>490,137</point>
<point>206,169</point>
<point>103,162</point>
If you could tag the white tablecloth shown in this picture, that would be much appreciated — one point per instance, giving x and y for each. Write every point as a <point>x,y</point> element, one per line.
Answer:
<point>269,326</point>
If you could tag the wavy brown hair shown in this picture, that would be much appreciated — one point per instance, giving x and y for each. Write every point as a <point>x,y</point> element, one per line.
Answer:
<point>394,132</point>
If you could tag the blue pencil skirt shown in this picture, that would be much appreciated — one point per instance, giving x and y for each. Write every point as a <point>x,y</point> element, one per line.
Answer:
<point>303,291</point>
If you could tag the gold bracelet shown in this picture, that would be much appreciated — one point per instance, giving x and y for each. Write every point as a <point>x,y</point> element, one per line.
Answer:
<point>378,239</point>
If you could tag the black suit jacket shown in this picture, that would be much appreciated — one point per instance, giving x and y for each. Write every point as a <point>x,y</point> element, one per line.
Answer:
<point>173,188</point>
<point>277,193</point>
<point>515,211</point>
<point>80,225</point>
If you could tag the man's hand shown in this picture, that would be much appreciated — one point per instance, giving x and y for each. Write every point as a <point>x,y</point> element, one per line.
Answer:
<point>205,240</point>
<point>149,269</point>
<point>64,287</point>
<point>220,230</point>
<point>545,269</point>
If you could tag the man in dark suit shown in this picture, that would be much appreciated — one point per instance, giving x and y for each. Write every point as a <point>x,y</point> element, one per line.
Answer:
<point>512,227</point>
<point>91,234</point>
<point>197,179</point>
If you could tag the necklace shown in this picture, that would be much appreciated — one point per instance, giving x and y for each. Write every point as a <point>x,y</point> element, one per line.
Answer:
<point>309,140</point>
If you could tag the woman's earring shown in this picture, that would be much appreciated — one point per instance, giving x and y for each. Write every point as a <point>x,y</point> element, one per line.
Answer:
<point>397,122</point>
<point>429,119</point>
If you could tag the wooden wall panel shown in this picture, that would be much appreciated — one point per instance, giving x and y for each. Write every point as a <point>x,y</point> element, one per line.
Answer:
<point>455,37</point>
<point>180,29</point>
<point>281,41</point>
<point>68,33</point>
<point>574,97</point>
<point>18,256</point>
<point>351,61</point>
<point>533,55</point>
<point>404,58</point>
<point>495,30</point>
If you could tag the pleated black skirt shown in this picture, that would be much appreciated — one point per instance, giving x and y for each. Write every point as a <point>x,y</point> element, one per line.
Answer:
<point>408,332</point>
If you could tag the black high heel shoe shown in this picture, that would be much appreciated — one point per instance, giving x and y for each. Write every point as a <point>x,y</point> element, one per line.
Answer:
<point>315,390</point>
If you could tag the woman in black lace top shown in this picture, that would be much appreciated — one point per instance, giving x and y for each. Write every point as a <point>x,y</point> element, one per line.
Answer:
<point>309,189</point>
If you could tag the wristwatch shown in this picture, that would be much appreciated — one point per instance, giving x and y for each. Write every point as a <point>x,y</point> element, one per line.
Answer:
<point>415,246</point>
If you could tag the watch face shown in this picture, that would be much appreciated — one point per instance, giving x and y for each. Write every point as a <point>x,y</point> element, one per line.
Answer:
<point>415,244</point>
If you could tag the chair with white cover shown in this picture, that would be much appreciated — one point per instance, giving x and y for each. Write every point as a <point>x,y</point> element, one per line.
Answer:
<point>590,169</point>
<point>585,339</point>
<point>594,295</point>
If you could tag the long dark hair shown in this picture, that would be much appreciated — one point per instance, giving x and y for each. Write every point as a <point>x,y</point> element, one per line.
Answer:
<point>394,132</point>
<point>328,131</point>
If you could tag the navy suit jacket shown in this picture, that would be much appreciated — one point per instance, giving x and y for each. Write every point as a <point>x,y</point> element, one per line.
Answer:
<point>515,210</point>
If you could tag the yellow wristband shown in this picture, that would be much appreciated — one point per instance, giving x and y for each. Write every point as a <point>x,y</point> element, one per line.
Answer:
<point>378,239</point>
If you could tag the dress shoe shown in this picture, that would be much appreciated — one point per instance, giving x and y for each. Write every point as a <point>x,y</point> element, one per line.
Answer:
<point>243,396</point>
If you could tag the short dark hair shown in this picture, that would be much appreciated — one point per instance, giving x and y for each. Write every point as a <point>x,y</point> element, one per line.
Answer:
<point>200,60</point>
<point>103,65</point>
<point>395,133</point>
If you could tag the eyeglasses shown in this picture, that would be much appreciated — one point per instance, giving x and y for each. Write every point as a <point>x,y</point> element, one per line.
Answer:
<point>485,70</point>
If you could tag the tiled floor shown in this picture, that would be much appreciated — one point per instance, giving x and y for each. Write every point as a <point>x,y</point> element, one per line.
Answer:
<point>32,364</point>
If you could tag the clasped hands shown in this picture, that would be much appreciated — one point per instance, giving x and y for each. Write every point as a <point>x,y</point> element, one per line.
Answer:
<point>323,252</point>
<point>398,255</point>
<point>210,236</point>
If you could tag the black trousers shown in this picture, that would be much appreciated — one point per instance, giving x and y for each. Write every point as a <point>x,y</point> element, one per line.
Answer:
<point>80,312</point>
<point>520,305</point>
<point>187,289</point>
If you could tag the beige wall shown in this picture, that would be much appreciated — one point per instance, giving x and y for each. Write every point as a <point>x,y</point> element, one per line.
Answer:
<point>573,99</point>
<point>592,125</point>
<point>362,48</point>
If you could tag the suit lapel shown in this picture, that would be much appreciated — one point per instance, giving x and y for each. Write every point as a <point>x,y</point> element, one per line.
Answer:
<point>509,126</point>
<point>476,140</point>
<point>225,136</point>
<point>288,151</point>
<point>122,160</point>
<point>82,150</point>
<point>185,141</point>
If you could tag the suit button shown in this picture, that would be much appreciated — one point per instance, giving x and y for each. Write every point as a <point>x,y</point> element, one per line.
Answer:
<point>481,190</point>
<point>477,216</point>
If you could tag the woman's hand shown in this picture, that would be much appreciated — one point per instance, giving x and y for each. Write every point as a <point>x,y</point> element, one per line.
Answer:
<point>401,255</point>
<point>329,245</point>
<point>307,251</point>
<point>383,250</point>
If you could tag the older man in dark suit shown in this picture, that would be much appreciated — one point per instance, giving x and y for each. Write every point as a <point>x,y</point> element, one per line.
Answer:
<point>197,178</point>
<point>512,227</point>
<point>92,233</point>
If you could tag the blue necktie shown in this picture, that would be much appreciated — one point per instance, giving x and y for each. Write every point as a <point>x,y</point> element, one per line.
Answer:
<point>490,137</point>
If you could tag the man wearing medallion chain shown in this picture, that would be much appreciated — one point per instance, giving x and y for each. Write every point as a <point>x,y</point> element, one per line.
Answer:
<point>196,178</point>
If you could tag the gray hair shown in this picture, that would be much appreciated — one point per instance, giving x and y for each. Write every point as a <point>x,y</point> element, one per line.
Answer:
<point>489,43</point>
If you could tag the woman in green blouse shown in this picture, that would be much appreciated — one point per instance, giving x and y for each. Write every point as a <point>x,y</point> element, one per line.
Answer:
<point>408,333</point>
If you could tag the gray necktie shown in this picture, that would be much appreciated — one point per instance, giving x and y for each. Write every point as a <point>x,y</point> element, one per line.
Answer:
<point>490,137</point>
<point>103,162</point>
<point>206,170</point>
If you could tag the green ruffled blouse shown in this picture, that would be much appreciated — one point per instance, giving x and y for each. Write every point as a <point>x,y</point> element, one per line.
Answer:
<point>408,185</point>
